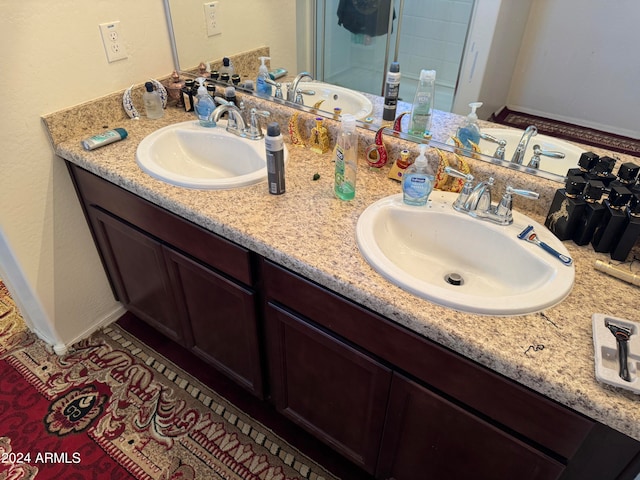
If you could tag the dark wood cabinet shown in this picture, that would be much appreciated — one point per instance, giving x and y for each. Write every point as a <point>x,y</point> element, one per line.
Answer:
<point>329,388</point>
<point>221,318</point>
<point>427,436</point>
<point>191,285</point>
<point>136,266</point>
<point>393,402</point>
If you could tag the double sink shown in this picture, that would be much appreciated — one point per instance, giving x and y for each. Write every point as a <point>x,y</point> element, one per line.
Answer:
<point>434,252</point>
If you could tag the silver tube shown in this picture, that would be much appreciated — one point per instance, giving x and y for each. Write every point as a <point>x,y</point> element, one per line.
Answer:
<point>172,36</point>
<point>387,48</point>
<point>398,30</point>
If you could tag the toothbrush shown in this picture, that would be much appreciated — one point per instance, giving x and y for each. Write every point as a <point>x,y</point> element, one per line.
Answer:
<point>622,335</point>
<point>530,236</point>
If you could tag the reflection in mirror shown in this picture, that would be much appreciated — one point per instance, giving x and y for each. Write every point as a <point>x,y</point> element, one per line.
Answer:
<point>486,69</point>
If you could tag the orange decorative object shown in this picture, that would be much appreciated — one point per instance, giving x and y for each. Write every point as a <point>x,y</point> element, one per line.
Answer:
<point>377,153</point>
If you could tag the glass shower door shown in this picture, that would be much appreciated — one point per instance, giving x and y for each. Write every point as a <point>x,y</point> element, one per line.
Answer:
<point>358,39</point>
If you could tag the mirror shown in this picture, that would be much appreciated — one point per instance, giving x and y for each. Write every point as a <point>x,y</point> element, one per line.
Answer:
<point>191,42</point>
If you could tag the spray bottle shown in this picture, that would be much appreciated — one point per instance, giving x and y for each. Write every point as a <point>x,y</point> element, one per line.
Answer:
<point>263,74</point>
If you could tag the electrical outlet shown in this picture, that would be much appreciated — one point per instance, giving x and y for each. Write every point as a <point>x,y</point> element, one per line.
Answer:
<point>212,18</point>
<point>113,41</point>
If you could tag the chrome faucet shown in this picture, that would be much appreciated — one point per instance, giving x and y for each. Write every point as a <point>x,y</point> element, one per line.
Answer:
<point>518,155</point>
<point>235,121</point>
<point>476,201</point>
<point>292,91</point>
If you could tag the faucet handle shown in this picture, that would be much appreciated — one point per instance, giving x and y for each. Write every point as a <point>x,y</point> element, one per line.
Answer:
<point>466,189</point>
<point>255,132</point>
<point>505,207</point>
<point>537,152</point>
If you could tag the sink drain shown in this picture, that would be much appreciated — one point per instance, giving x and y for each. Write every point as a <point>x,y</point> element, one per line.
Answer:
<point>454,279</point>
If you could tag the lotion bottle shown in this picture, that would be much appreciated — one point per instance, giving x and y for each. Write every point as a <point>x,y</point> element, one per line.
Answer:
<point>592,214</point>
<point>417,181</point>
<point>152,102</point>
<point>346,159</point>
<point>566,208</point>
<point>630,233</point>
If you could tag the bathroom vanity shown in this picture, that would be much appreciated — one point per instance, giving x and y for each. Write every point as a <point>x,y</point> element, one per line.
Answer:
<point>272,291</point>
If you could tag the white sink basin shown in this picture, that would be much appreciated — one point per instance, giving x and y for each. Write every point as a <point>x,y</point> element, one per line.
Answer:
<point>558,166</point>
<point>333,96</point>
<point>188,155</point>
<point>418,248</point>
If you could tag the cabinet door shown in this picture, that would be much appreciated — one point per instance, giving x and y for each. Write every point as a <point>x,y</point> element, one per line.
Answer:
<point>222,318</point>
<point>426,436</point>
<point>332,390</point>
<point>136,266</point>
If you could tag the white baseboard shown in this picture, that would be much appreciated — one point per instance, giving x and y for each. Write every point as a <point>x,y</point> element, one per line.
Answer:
<point>63,348</point>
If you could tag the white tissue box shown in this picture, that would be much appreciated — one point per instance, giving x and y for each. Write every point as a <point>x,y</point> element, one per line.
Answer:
<point>606,352</point>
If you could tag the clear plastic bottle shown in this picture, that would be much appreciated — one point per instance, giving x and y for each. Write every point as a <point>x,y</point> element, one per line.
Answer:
<point>152,102</point>
<point>417,181</point>
<point>420,124</point>
<point>227,67</point>
<point>346,158</point>
<point>469,131</point>
<point>263,75</point>
<point>204,105</point>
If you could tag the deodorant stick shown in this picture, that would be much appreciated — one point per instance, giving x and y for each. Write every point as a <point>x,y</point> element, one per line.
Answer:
<point>275,159</point>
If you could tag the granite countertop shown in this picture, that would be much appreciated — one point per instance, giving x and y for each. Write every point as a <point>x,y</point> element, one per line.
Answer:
<point>311,232</point>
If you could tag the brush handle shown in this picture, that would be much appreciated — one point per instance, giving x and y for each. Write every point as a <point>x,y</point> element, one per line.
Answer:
<point>563,258</point>
<point>623,353</point>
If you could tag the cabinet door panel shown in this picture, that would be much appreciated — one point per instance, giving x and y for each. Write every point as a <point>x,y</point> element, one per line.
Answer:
<point>426,436</point>
<point>135,263</point>
<point>332,390</point>
<point>222,316</point>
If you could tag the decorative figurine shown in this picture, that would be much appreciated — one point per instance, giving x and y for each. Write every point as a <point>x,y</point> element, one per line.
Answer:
<point>376,154</point>
<point>319,141</point>
<point>294,131</point>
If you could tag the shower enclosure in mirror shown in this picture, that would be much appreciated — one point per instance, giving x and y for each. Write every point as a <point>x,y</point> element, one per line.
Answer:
<point>356,40</point>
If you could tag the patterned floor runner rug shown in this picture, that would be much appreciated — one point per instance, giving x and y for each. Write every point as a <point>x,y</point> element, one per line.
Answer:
<point>113,409</point>
<point>567,131</point>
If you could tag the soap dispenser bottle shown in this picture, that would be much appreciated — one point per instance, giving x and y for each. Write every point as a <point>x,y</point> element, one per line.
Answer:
<point>566,208</point>
<point>592,214</point>
<point>469,132</point>
<point>417,181</point>
<point>152,102</point>
<point>420,123</point>
<point>204,105</point>
<point>346,159</point>
<point>613,220</point>
<point>263,75</point>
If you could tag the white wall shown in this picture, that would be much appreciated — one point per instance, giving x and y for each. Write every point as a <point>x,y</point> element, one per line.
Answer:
<point>245,24</point>
<point>53,59</point>
<point>579,63</point>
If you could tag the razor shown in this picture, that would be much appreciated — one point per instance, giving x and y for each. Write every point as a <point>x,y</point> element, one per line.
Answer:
<point>530,236</point>
<point>622,335</point>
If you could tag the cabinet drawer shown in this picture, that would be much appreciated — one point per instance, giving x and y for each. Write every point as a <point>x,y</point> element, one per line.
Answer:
<point>425,436</point>
<point>514,406</point>
<point>192,239</point>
